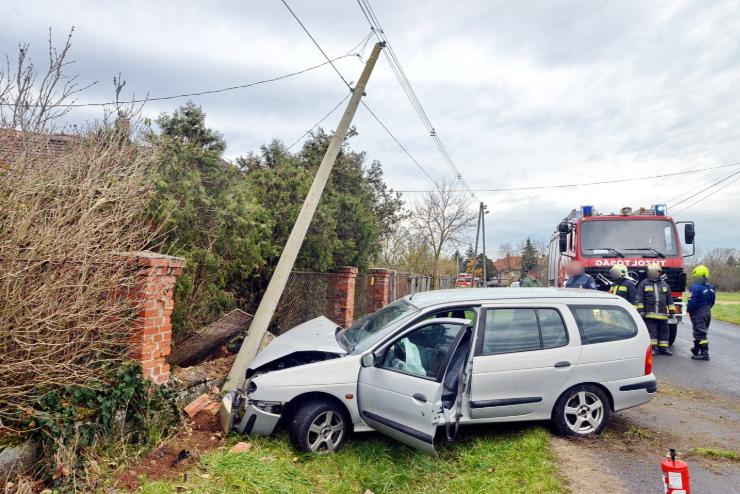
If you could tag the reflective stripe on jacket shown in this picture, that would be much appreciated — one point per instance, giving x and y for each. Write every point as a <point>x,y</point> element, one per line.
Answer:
<point>625,288</point>
<point>654,299</point>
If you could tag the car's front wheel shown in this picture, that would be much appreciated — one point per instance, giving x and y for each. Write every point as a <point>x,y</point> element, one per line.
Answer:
<point>581,411</point>
<point>319,427</point>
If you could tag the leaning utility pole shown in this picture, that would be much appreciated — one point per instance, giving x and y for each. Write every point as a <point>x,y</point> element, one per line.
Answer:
<point>275,288</point>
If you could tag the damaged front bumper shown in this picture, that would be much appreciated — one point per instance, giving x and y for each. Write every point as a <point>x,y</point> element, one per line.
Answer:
<point>252,416</point>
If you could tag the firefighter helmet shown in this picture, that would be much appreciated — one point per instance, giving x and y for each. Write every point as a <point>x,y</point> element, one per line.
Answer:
<point>654,267</point>
<point>700,271</point>
<point>618,271</point>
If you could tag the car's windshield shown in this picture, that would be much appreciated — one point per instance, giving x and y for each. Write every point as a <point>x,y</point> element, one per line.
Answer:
<point>372,327</point>
<point>631,238</point>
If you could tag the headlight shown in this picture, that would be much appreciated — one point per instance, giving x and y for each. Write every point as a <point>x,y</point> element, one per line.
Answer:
<point>268,406</point>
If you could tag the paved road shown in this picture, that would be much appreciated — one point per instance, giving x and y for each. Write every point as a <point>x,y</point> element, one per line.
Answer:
<point>721,374</point>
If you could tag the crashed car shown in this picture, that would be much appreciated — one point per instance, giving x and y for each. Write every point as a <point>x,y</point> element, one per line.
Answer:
<point>436,360</point>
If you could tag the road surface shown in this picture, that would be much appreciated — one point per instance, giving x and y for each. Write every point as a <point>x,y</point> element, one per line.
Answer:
<point>721,374</point>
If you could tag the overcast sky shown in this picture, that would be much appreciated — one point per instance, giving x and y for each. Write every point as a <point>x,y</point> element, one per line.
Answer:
<point>521,93</point>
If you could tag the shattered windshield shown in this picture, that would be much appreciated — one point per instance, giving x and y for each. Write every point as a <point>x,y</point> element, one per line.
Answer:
<point>620,238</point>
<point>372,327</point>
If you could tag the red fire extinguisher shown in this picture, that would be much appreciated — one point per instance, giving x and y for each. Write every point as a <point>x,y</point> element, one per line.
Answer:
<point>675,475</point>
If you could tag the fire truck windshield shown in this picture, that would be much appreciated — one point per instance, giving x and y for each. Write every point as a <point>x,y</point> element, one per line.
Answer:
<point>636,238</point>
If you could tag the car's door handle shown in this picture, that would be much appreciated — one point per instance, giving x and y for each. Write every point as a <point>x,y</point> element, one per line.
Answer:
<point>419,397</point>
<point>562,364</point>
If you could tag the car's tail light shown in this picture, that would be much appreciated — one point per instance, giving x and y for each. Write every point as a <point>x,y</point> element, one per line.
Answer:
<point>649,360</point>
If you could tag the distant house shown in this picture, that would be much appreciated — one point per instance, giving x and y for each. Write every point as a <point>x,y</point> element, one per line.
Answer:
<point>508,270</point>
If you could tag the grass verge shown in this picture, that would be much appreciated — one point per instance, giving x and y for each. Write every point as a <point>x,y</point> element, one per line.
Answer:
<point>724,454</point>
<point>485,459</point>
<point>727,307</point>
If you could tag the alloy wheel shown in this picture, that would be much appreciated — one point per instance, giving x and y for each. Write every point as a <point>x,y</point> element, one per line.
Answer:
<point>584,412</point>
<point>325,432</point>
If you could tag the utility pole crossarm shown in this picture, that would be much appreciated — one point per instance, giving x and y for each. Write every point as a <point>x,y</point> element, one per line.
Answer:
<point>279,278</point>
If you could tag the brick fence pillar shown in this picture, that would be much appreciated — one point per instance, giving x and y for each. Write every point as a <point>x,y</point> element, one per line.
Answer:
<point>151,332</point>
<point>341,295</point>
<point>380,288</point>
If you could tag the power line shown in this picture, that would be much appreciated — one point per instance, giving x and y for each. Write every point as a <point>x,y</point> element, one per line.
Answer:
<point>408,89</point>
<point>705,189</point>
<point>367,107</point>
<point>199,93</point>
<point>707,196</point>
<point>320,121</point>
<point>601,182</point>
<point>690,191</point>
<point>418,165</point>
<point>317,45</point>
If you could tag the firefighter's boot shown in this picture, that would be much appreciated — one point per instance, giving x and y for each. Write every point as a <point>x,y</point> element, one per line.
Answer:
<point>695,350</point>
<point>663,350</point>
<point>703,352</point>
<point>655,349</point>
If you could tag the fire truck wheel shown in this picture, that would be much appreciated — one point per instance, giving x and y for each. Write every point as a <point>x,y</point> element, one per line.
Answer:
<point>582,410</point>
<point>672,332</point>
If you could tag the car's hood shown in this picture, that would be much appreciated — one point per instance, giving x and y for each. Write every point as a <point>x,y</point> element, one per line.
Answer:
<point>315,335</point>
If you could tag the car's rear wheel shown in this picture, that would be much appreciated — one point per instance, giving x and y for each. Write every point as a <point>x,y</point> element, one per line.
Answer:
<point>581,411</point>
<point>319,426</point>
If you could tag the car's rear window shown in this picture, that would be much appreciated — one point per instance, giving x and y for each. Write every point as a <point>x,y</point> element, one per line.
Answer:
<point>600,324</point>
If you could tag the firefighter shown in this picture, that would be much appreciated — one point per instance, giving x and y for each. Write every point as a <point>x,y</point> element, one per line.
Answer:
<point>655,302</point>
<point>623,285</point>
<point>577,277</point>
<point>701,301</point>
<point>533,278</point>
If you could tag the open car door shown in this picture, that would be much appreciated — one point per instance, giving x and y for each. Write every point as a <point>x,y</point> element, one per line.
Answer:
<point>400,386</point>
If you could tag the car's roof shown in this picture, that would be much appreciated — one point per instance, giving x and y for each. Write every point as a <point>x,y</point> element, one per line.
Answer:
<point>433,297</point>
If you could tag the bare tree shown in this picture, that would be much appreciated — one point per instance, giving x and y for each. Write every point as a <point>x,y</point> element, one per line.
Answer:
<point>31,100</point>
<point>442,218</point>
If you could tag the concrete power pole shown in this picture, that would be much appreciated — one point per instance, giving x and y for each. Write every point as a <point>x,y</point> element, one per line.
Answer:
<point>275,288</point>
<point>475,251</point>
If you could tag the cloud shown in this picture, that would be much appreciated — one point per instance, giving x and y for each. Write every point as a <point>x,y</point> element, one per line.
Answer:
<point>522,93</point>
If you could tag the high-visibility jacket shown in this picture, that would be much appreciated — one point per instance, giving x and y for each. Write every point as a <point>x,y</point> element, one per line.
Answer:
<point>654,299</point>
<point>625,288</point>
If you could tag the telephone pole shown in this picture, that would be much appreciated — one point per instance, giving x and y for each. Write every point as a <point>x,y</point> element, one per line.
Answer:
<point>279,278</point>
<point>483,213</point>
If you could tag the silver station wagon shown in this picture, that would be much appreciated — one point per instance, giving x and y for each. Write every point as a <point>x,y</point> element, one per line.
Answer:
<point>435,360</point>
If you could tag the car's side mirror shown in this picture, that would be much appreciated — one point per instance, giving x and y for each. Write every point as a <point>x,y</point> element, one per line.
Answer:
<point>689,233</point>
<point>563,242</point>
<point>368,360</point>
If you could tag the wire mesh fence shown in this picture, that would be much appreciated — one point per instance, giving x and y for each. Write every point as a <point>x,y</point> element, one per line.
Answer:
<point>363,302</point>
<point>304,298</point>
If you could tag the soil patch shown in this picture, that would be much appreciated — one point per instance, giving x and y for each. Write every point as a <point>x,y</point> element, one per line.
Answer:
<point>176,455</point>
<point>583,471</point>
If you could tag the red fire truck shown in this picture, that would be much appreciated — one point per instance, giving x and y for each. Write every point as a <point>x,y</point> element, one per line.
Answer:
<point>633,238</point>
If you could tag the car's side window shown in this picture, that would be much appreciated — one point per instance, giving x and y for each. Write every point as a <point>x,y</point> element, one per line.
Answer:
<point>519,329</point>
<point>510,330</point>
<point>553,329</point>
<point>599,324</point>
<point>424,351</point>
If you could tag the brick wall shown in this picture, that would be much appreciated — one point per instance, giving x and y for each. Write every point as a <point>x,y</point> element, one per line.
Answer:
<point>341,295</point>
<point>151,332</point>
<point>380,288</point>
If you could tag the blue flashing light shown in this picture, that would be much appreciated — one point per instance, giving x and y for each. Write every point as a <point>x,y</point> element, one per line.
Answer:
<point>588,210</point>
<point>661,210</point>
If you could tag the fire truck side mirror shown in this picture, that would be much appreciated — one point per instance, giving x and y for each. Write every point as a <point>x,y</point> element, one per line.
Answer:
<point>563,242</point>
<point>689,233</point>
<point>563,227</point>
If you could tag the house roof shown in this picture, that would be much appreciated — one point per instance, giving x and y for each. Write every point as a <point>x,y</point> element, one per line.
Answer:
<point>15,142</point>
<point>507,263</point>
